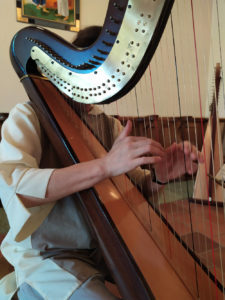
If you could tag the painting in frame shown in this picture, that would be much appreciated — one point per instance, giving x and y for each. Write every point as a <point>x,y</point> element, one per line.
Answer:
<point>60,14</point>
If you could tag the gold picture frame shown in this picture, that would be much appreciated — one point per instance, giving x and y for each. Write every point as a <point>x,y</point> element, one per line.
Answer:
<point>59,14</point>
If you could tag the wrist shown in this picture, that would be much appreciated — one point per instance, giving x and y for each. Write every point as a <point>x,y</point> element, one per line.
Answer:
<point>155,179</point>
<point>104,167</point>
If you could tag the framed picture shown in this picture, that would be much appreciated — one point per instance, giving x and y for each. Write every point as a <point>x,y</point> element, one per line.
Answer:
<point>60,14</point>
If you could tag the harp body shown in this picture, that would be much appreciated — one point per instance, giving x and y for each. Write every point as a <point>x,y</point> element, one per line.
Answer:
<point>174,249</point>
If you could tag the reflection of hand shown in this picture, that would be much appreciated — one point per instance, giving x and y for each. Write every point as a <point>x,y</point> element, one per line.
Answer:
<point>129,152</point>
<point>178,159</point>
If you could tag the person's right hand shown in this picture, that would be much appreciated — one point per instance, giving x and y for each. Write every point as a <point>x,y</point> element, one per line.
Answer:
<point>129,152</point>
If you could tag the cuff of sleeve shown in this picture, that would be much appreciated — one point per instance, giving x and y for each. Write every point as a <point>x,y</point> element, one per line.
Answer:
<point>24,221</point>
<point>8,286</point>
<point>34,183</point>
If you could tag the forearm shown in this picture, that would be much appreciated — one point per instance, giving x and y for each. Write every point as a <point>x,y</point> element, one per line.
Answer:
<point>66,181</point>
<point>69,180</point>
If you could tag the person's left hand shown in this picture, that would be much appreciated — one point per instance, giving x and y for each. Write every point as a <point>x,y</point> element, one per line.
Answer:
<point>178,159</point>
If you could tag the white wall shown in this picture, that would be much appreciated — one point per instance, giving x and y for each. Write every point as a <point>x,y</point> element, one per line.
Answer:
<point>11,90</point>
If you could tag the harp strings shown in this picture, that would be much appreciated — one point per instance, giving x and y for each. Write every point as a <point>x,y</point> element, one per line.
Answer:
<point>182,112</point>
<point>155,124</point>
<point>196,241</point>
<point>165,126</point>
<point>141,90</point>
<point>204,149</point>
<point>200,208</point>
<point>177,207</point>
<point>159,127</point>
<point>184,120</point>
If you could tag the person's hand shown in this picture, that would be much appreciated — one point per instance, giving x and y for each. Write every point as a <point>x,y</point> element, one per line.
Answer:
<point>179,159</point>
<point>129,152</point>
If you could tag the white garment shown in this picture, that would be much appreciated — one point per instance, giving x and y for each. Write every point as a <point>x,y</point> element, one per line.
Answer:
<point>63,8</point>
<point>20,154</point>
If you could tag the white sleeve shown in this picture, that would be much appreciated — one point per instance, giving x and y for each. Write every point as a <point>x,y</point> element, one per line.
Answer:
<point>20,155</point>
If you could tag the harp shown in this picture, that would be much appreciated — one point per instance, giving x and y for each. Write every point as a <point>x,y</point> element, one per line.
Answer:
<point>174,248</point>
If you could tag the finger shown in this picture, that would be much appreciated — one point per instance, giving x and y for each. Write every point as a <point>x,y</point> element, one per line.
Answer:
<point>125,132</point>
<point>146,148</point>
<point>142,141</point>
<point>172,148</point>
<point>192,169</point>
<point>191,150</point>
<point>147,160</point>
<point>194,156</point>
<point>185,147</point>
<point>188,148</point>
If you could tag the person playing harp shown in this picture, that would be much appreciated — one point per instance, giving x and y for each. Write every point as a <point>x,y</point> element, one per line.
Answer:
<point>49,243</point>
